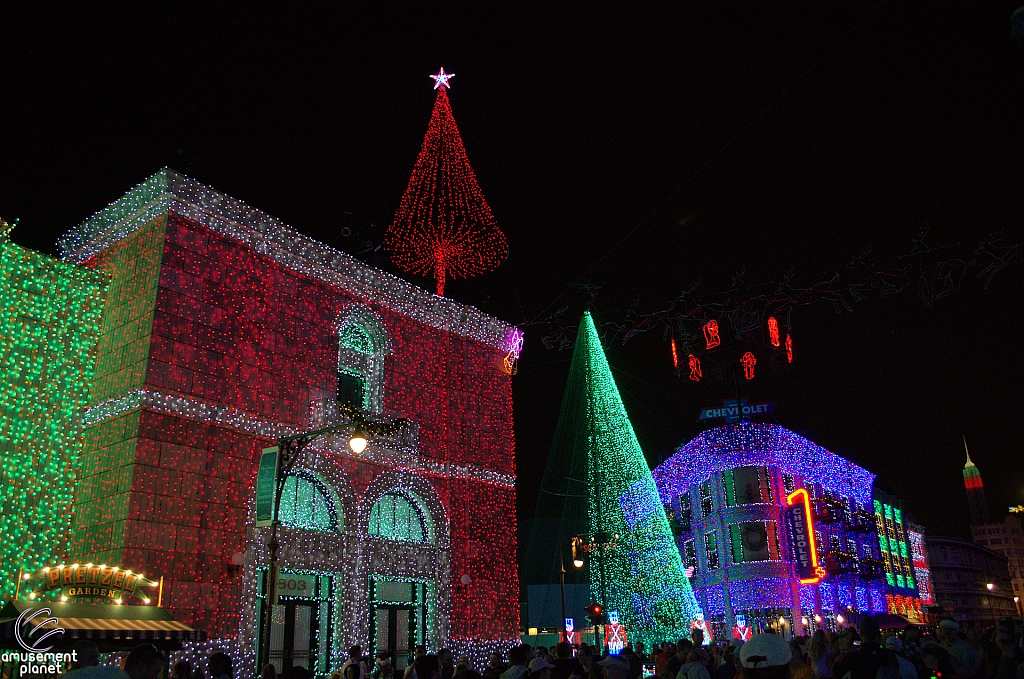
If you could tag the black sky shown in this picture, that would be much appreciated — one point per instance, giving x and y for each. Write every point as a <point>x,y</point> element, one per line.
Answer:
<point>828,126</point>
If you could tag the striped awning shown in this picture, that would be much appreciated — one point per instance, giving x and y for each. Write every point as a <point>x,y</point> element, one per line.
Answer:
<point>112,625</point>
<point>103,623</point>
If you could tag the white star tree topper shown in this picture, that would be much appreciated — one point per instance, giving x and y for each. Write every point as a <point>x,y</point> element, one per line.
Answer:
<point>441,79</point>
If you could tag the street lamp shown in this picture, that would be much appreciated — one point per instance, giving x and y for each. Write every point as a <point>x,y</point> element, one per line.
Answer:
<point>991,611</point>
<point>1016,604</point>
<point>290,449</point>
<point>359,441</point>
<point>577,552</point>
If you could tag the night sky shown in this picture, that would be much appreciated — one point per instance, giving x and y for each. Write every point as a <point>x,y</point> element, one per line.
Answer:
<point>765,136</point>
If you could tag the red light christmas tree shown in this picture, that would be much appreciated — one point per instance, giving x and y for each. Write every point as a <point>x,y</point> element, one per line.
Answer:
<point>443,226</point>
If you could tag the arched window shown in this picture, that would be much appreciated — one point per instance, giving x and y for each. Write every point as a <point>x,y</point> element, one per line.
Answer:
<point>355,337</point>
<point>305,504</point>
<point>396,517</point>
<point>362,345</point>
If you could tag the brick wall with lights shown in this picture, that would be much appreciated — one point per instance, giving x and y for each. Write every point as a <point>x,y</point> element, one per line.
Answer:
<point>220,335</point>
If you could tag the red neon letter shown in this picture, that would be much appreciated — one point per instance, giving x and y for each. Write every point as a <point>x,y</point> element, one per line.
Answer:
<point>800,495</point>
<point>711,334</point>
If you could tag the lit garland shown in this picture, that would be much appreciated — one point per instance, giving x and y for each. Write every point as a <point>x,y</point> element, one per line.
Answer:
<point>643,574</point>
<point>49,322</point>
<point>443,226</point>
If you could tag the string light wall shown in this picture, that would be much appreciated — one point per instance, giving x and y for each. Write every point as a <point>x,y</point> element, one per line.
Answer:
<point>49,325</point>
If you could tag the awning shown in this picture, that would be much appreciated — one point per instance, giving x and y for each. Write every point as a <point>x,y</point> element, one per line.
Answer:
<point>110,626</point>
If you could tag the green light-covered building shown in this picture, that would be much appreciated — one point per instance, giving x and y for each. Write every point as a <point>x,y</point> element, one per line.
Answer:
<point>50,314</point>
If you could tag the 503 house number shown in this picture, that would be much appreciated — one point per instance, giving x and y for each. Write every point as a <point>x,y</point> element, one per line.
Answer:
<point>296,585</point>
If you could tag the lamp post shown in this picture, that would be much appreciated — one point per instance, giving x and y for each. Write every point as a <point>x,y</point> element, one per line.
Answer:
<point>290,448</point>
<point>991,611</point>
<point>561,566</point>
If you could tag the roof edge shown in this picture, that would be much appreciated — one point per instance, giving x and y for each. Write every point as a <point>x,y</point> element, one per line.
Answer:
<point>168,191</point>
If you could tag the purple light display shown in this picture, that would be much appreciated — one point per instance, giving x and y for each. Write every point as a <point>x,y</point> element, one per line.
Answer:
<point>770,445</point>
<point>708,485</point>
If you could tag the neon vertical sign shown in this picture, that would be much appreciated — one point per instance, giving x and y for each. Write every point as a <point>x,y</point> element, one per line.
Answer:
<point>801,525</point>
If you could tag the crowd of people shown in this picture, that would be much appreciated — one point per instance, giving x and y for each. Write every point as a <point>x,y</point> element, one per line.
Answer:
<point>863,652</point>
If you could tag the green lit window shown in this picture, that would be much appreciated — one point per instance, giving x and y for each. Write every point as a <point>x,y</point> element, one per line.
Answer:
<point>355,337</point>
<point>396,517</point>
<point>304,504</point>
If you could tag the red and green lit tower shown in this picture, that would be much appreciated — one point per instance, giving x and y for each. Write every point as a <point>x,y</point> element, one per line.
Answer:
<point>975,491</point>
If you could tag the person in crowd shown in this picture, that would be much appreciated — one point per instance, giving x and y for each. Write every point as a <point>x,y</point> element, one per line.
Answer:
<point>906,668</point>
<point>693,668</point>
<point>540,652</point>
<point>382,667</point>
<point>1011,663</point>
<point>181,670</point>
<point>470,673</point>
<point>418,652</point>
<point>566,666</point>
<point>269,671</point>
<point>355,657</point>
<point>989,655</point>
<point>87,663</point>
<point>640,649</point>
<point>819,655</point>
<point>428,667</point>
<point>447,661</point>
<point>865,662</point>
<point>765,656</point>
<point>940,662</point>
<point>636,667</point>
<point>519,658</point>
<point>964,656</point>
<point>146,662</point>
<point>667,651</point>
<point>683,648</point>
<point>219,665</point>
<point>614,667</point>
<point>697,636</point>
<point>912,648</point>
<point>727,666</point>
<point>540,668</point>
<point>495,666</point>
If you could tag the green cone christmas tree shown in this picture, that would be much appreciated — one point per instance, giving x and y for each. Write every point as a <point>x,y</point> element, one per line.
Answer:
<point>598,480</point>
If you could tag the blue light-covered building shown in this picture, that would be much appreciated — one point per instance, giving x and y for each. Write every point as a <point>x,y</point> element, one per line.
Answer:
<point>731,495</point>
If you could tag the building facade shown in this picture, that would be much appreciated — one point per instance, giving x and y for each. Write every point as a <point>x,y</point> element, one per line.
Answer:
<point>961,575</point>
<point>1006,538</point>
<point>922,570</point>
<point>49,326</point>
<point>730,493</point>
<point>223,330</point>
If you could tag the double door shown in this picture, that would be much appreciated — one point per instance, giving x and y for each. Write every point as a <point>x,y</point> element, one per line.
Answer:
<point>293,635</point>
<point>394,628</point>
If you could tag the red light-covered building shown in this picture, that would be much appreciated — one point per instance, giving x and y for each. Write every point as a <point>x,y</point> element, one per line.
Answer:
<point>225,329</point>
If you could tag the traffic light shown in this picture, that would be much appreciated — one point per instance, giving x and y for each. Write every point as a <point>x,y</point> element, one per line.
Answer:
<point>595,613</point>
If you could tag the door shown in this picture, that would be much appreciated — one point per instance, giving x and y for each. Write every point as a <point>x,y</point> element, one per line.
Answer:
<point>393,632</point>
<point>293,628</point>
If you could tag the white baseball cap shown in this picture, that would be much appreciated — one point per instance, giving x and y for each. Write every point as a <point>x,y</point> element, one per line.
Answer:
<point>615,661</point>
<point>538,664</point>
<point>765,650</point>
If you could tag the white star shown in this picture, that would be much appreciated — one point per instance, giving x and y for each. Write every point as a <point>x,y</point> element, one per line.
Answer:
<point>442,78</point>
